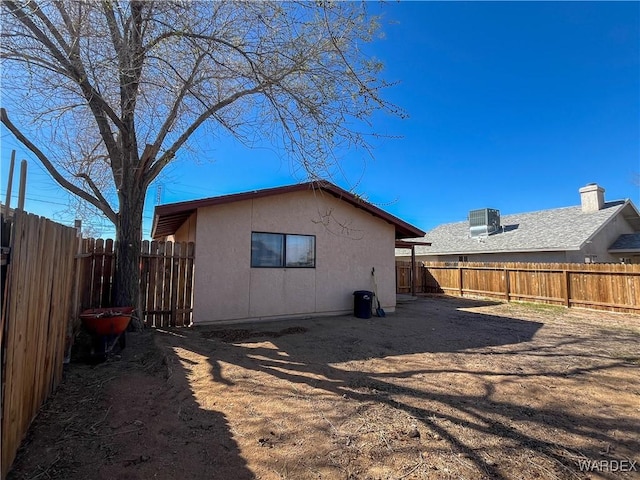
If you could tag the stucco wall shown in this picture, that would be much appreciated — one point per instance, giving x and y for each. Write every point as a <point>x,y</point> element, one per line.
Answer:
<point>187,232</point>
<point>349,242</point>
<point>601,242</point>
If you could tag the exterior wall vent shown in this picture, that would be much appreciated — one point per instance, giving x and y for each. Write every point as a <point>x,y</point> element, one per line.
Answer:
<point>483,222</point>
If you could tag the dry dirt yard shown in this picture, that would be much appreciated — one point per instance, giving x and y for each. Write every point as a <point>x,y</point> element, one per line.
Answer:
<point>443,388</point>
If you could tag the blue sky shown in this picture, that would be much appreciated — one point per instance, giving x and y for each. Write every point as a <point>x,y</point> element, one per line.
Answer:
<point>512,105</point>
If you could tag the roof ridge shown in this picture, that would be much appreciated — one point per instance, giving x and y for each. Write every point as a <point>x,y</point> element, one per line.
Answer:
<point>610,204</point>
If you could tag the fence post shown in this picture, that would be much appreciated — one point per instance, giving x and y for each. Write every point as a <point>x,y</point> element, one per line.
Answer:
<point>22,188</point>
<point>506,284</point>
<point>413,271</point>
<point>567,290</point>
<point>460,280</point>
<point>74,323</point>
<point>7,202</point>
<point>397,271</point>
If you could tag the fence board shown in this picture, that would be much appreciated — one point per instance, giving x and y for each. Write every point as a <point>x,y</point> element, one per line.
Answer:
<point>159,284</point>
<point>188,297</point>
<point>46,249</point>
<point>600,286</point>
<point>15,340</point>
<point>177,293</point>
<point>86,269</point>
<point>107,273</point>
<point>166,285</point>
<point>145,265</point>
<point>181,275</point>
<point>96,275</point>
<point>151,292</point>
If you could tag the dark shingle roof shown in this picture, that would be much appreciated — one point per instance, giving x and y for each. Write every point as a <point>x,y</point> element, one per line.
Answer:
<point>629,242</point>
<point>556,229</point>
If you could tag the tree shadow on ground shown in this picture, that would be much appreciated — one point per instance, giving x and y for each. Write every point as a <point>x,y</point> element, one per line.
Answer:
<point>133,417</point>
<point>334,355</point>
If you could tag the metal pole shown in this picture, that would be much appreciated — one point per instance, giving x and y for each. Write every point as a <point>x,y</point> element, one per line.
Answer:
<point>7,202</point>
<point>23,184</point>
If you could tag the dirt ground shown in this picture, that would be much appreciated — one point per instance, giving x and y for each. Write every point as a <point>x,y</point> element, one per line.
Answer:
<point>444,388</point>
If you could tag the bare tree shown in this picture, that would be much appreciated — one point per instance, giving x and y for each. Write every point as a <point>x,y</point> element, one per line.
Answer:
<point>105,93</point>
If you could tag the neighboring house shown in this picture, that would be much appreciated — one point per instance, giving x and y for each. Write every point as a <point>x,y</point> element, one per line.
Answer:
<point>291,251</point>
<point>3,209</point>
<point>595,231</point>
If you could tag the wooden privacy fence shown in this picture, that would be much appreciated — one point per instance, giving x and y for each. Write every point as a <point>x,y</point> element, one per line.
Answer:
<point>37,305</point>
<point>167,283</point>
<point>601,286</point>
<point>50,276</point>
<point>166,279</point>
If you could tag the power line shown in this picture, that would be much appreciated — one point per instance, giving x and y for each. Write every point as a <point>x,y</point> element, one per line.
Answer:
<point>27,197</point>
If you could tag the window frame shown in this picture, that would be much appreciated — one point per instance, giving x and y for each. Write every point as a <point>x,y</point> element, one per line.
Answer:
<point>284,250</point>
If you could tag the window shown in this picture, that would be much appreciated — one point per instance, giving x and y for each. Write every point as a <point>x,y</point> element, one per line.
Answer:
<point>463,258</point>
<point>590,258</point>
<point>267,249</point>
<point>300,251</point>
<point>279,250</point>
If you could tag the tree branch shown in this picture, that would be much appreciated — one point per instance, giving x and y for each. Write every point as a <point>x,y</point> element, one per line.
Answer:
<point>116,36</point>
<point>74,48</point>
<point>99,107</point>
<point>33,60</point>
<point>160,163</point>
<point>99,203</point>
<point>94,188</point>
<point>173,113</point>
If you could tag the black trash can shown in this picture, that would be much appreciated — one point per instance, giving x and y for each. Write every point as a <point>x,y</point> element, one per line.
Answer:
<point>362,302</point>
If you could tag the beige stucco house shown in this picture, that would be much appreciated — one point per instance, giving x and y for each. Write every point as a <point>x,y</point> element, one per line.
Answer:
<point>300,250</point>
<point>596,231</point>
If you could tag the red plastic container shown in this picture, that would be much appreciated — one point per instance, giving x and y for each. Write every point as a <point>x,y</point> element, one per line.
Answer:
<point>107,321</point>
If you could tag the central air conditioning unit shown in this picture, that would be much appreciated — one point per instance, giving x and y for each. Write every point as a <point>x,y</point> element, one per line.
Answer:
<point>483,222</point>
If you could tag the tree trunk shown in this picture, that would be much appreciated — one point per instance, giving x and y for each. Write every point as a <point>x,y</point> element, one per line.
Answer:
<point>126,286</point>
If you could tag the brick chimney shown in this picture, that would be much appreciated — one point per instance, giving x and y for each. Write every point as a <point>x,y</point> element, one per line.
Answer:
<point>592,198</point>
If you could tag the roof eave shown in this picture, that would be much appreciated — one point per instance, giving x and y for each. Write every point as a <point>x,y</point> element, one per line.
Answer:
<point>488,252</point>
<point>184,210</point>
<point>410,244</point>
